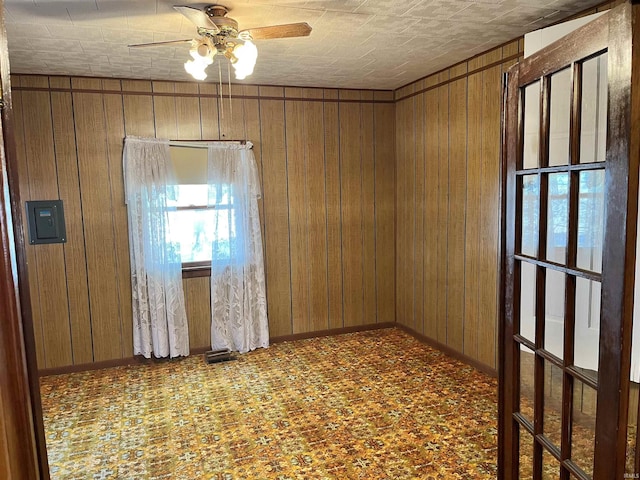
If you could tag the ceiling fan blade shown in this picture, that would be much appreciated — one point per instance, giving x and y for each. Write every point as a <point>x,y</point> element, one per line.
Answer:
<point>154,44</point>
<point>280,31</point>
<point>197,17</point>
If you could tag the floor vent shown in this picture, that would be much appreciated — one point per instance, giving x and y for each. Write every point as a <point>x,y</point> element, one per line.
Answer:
<point>215,356</point>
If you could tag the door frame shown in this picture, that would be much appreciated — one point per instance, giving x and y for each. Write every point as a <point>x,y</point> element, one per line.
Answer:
<point>614,31</point>
<point>21,421</point>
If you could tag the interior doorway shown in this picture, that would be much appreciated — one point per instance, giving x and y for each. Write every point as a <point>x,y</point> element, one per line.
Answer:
<point>570,211</point>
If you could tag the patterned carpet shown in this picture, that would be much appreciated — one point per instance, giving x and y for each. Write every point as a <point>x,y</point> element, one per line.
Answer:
<point>369,405</point>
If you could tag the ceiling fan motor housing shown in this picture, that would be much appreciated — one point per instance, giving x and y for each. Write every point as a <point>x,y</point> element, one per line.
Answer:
<point>216,10</point>
<point>226,25</point>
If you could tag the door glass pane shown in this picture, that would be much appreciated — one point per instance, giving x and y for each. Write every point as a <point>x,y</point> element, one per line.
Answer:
<point>584,426</point>
<point>550,467</point>
<point>554,313</point>
<point>530,214</point>
<point>557,217</point>
<point>591,220</point>
<point>527,360</point>
<point>531,153</point>
<point>528,301</point>
<point>552,424</point>
<point>560,114</point>
<point>526,455</point>
<point>593,135</point>
<point>587,327</point>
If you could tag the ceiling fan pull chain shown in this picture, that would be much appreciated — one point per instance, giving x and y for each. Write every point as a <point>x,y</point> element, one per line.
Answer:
<point>230,104</point>
<point>221,97</point>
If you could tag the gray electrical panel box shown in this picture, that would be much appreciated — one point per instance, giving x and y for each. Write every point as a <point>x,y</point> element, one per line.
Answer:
<point>46,222</point>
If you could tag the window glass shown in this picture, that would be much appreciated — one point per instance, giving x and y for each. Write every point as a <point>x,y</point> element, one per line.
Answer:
<point>557,217</point>
<point>591,220</point>
<point>530,214</point>
<point>531,141</point>
<point>197,228</point>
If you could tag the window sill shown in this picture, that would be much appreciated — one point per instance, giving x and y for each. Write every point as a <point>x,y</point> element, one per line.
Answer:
<point>196,269</point>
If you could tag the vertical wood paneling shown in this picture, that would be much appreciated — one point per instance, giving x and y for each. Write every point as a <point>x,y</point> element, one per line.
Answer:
<point>403,169</point>
<point>164,109</point>
<point>507,51</point>
<point>443,209</point>
<point>298,226</point>
<point>418,269</point>
<point>25,193</point>
<point>51,277</point>
<point>490,224</point>
<point>209,127</point>
<point>98,223</point>
<point>384,125</point>
<point>351,186</point>
<point>197,293</point>
<point>231,113</point>
<point>456,222</point>
<point>460,125</point>
<point>472,235</point>
<point>74,250</point>
<point>316,212</point>
<point>188,120</point>
<point>334,214</point>
<point>138,109</point>
<point>114,123</point>
<point>328,210</point>
<point>409,186</point>
<point>277,259</point>
<point>368,210</point>
<point>432,196</point>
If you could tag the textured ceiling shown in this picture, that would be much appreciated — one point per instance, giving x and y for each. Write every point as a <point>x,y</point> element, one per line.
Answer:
<point>354,44</point>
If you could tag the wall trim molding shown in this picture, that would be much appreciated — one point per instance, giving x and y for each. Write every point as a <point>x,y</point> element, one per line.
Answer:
<point>333,331</point>
<point>197,95</point>
<point>492,372</point>
<point>85,367</point>
<point>192,82</point>
<point>139,360</point>
<point>470,59</point>
<point>516,56</point>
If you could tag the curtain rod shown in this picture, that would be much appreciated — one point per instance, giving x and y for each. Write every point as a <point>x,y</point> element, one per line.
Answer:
<point>197,143</point>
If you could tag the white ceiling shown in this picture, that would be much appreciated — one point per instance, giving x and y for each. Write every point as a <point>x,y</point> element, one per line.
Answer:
<point>354,44</point>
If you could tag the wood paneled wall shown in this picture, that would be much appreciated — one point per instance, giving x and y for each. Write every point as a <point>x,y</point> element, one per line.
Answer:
<point>448,129</point>
<point>448,132</point>
<point>326,159</point>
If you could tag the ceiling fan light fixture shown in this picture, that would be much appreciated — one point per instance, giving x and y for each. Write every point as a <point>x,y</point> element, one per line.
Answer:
<point>219,34</point>
<point>196,69</point>
<point>245,55</point>
<point>202,53</point>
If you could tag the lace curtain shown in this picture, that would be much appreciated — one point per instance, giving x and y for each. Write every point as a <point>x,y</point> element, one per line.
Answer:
<point>159,317</point>
<point>238,299</point>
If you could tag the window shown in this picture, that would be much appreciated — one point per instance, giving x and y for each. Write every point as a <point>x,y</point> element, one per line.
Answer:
<point>204,220</point>
<point>591,210</point>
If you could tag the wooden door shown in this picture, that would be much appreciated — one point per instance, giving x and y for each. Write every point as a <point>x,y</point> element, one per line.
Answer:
<point>570,211</point>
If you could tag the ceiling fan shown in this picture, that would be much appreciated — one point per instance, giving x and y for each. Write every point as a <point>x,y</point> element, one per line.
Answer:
<point>219,35</point>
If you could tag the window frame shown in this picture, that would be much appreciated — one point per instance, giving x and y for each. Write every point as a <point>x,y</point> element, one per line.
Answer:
<point>201,268</point>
